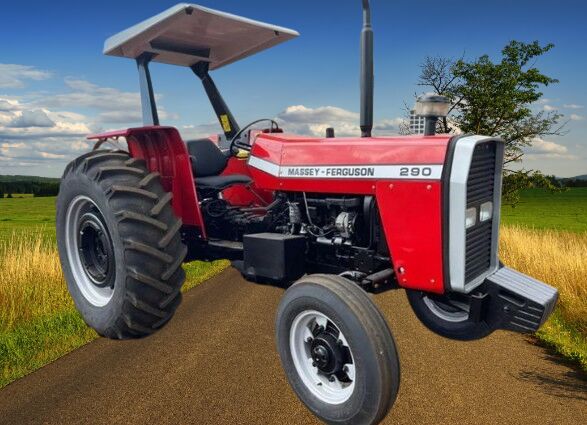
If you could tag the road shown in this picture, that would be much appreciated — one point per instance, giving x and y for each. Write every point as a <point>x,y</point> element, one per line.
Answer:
<point>215,363</point>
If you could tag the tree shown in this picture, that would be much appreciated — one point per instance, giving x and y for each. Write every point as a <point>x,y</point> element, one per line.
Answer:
<point>495,99</point>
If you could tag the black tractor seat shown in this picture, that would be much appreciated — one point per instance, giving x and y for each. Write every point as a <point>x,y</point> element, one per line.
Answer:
<point>208,162</point>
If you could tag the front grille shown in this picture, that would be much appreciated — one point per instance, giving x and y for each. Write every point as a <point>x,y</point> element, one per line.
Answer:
<point>480,188</point>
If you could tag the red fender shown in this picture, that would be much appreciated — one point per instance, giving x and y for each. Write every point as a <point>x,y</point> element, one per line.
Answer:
<point>165,152</point>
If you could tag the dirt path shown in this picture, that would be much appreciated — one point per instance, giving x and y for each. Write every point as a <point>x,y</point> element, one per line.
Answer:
<point>216,364</point>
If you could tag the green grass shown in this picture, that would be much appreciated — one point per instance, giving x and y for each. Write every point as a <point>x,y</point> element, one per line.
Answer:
<point>543,210</point>
<point>563,337</point>
<point>27,214</point>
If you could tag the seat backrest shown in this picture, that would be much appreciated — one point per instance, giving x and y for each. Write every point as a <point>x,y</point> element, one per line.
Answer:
<point>207,158</point>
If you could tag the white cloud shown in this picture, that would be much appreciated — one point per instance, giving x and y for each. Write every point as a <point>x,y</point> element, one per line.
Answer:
<point>573,106</point>
<point>14,76</point>
<point>542,149</point>
<point>576,117</point>
<point>549,108</point>
<point>190,132</point>
<point>300,119</point>
<point>8,105</point>
<point>32,118</point>
<point>115,106</point>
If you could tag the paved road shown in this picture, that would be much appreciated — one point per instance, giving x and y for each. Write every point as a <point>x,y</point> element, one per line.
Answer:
<point>216,364</point>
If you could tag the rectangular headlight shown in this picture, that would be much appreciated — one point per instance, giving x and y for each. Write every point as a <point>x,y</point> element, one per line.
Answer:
<point>486,211</point>
<point>470,217</point>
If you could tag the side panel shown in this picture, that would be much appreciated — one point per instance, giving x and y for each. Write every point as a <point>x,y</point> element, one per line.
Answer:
<point>411,214</point>
<point>244,196</point>
<point>165,152</point>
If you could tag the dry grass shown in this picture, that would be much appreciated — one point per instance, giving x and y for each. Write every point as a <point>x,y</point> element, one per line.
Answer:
<point>559,259</point>
<point>31,282</point>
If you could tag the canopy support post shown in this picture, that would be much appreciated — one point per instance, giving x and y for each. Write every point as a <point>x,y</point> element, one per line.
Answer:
<point>150,115</point>
<point>229,125</point>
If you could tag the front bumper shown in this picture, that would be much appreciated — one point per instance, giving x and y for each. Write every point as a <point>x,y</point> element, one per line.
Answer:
<point>514,301</point>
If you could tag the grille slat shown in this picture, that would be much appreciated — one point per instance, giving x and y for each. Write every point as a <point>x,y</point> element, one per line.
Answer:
<point>480,189</point>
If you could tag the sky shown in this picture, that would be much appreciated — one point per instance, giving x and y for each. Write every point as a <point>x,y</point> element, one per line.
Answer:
<point>56,86</point>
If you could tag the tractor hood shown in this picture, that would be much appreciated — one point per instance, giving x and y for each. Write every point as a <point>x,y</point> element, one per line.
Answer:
<point>285,157</point>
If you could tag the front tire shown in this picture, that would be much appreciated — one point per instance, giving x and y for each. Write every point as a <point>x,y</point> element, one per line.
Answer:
<point>337,351</point>
<point>119,245</point>
<point>448,316</point>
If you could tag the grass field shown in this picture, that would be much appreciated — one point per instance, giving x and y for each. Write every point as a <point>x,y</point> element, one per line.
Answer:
<point>545,236</point>
<point>542,210</point>
<point>29,215</point>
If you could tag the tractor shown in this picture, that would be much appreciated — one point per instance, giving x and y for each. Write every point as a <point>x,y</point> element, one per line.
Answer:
<point>333,220</point>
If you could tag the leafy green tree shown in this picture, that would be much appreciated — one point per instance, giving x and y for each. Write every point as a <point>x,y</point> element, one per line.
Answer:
<point>495,99</point>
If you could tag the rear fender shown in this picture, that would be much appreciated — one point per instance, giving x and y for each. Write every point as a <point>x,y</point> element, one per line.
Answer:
<point>165,152</point>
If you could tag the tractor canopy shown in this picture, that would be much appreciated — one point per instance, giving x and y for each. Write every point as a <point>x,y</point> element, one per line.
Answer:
<point>187,34</point>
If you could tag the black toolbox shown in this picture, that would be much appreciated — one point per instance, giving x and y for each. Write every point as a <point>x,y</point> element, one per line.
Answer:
<point>274,257</point>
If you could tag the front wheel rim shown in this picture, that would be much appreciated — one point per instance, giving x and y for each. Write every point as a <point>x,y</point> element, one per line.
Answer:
<point>322,357</point>
<point>90,251</point>
<point>448,310</point>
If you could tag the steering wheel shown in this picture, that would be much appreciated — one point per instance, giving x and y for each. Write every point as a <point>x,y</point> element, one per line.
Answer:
<point>237,143</point>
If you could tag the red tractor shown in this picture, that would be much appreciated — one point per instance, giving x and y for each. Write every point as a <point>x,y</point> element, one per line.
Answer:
<point>340,217</point>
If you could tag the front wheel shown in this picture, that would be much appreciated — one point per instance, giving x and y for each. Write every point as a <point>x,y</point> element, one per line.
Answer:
<point>448,315</point>
<point>337,350</point>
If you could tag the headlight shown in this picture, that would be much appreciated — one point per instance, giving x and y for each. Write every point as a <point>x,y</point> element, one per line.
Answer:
<point>486,211</point>
<point>470,217</point>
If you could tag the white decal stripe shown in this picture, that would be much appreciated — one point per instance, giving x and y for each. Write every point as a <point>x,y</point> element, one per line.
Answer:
<point>358,171</point>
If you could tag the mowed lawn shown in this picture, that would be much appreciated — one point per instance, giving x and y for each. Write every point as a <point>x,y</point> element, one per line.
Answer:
<point>539,209</point>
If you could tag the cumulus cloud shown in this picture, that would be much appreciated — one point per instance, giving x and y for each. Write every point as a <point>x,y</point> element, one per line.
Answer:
<point>39,138</point>
<point>543,149</point>
<point>573,106</point>
<point>33,118</point>
<point>8,105</point>
<point>114,106</point>
<point>14,76</point>
<point>549,108</point>
<point>314,121</point>
<point>576,117</point>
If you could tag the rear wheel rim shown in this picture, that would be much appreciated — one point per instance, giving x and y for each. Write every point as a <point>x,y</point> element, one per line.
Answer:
<point>90,251</point>
<point>322,357</point>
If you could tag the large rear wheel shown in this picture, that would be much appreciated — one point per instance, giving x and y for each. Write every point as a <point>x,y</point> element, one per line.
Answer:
<point>119,244</point>
<point>337,350</point>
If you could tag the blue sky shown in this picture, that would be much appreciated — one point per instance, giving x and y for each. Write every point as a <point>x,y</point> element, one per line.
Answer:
<point>55,84</point>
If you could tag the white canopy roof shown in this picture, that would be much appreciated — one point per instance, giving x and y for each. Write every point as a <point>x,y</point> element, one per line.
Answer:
<point>187,34</point>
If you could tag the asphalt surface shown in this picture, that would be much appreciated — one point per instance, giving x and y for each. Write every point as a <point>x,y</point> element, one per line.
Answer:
<point>215,363</point>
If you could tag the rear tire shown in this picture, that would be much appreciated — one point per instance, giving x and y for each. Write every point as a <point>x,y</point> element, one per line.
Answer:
<point>337,351</point>
<point>447,317</point>
<point>119,244</point>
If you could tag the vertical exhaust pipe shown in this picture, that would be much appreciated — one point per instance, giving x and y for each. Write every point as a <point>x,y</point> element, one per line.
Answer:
<point>366,72</point>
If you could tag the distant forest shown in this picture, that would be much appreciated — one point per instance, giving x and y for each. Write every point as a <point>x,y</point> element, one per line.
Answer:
<point>38,186</point>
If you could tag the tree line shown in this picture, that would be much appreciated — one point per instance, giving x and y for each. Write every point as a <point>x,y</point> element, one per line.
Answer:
<point>38,189</point>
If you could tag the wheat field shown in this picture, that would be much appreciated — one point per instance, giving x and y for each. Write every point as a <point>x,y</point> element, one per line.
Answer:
<point>555,257</point>
<point>31,282</point>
